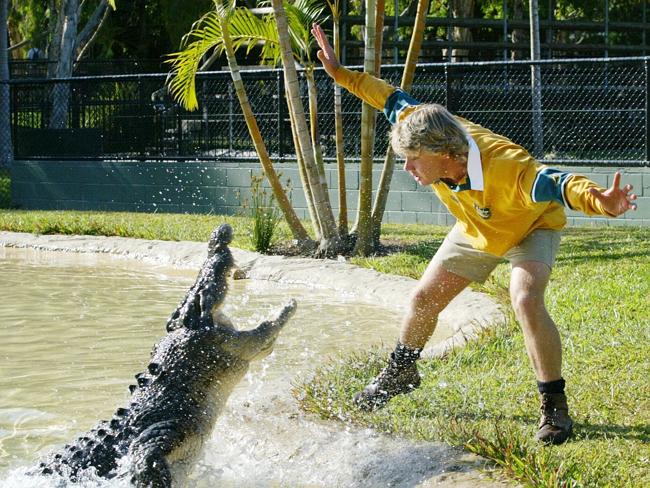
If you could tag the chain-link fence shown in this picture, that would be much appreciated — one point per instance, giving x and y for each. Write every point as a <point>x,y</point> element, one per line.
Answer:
<point>593,112</point>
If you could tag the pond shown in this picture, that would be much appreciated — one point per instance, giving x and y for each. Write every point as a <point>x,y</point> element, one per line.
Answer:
<point>77,327</point>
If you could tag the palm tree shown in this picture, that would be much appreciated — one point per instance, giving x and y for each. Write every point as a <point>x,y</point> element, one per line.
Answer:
<point>248,30</point>
<point>330,242</point>
<point>213,32</point>
<point>407,80</point>
<point>363,226</point>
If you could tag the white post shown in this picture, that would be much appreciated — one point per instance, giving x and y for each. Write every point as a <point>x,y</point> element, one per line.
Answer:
<point>536,82</point>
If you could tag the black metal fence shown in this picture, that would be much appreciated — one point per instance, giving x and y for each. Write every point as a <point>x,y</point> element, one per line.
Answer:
<point>38,68</point>
<point>593,112</point>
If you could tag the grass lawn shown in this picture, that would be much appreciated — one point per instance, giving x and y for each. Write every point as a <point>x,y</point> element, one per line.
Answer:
<point>484,396</point>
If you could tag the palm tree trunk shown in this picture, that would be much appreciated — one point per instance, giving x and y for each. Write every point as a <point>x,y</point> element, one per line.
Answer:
<point>6,146</point>
<point>298,231</point>
<point>379,34</point>
<point>338,124</point>
<point>338,127</point>
<point>407,80</point>
<point>313,121</point>
<point>363,245</point>
<point>302,171</point>
<point>330,241</point>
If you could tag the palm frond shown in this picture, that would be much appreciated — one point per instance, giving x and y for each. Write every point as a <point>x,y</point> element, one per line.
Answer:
<point>301,14</point>
<point>335,8</point>
<point>204,36</point>
<point>248,30</point>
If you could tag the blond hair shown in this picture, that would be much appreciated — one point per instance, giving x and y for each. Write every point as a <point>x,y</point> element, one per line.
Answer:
<point>432,128</point>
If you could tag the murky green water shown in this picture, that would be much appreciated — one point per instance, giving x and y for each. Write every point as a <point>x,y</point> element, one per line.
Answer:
<point>75,328</point>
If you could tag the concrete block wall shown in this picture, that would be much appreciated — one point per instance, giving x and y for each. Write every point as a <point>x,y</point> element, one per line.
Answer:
<point>224,187</point>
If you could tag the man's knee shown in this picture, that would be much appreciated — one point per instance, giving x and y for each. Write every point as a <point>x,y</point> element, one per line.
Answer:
<point>527,288</point>
<point>527,303</point>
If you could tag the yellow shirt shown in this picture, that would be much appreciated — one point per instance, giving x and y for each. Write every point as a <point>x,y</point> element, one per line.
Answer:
<point>507,193</point>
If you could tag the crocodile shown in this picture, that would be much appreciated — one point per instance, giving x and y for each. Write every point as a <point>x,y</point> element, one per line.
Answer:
<point>156,440</point>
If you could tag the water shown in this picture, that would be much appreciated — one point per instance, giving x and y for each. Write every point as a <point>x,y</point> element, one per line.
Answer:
<point>77,327</point>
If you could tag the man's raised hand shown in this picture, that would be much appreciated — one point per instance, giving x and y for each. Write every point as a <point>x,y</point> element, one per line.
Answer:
<point>326,52</point>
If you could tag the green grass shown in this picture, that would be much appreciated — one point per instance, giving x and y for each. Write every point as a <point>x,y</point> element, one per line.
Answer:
<point>482,397</point>
<point>167,227</point>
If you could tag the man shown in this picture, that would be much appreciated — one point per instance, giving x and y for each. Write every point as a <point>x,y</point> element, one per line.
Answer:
<point>507,205</point>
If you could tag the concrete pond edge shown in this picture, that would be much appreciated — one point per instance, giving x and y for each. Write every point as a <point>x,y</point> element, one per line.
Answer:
<point>465,317</point>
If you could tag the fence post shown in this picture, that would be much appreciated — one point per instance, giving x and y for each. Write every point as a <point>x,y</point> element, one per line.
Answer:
<point>280,95</point>
<point>231,118</point>
<point>138,119</point>
<point>647,111</point>
<point>450,102</point>
<point>448,88</point>
<point>538,121</point>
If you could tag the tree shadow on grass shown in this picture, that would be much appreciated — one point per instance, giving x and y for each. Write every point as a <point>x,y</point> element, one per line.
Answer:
<point>610,256</point>
<point>582,430</point>
<point>422,249</point>
<point>608,244</point>
<point>590,431</point>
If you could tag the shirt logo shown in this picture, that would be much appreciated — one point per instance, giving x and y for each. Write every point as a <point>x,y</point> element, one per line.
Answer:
<point>484,213</point>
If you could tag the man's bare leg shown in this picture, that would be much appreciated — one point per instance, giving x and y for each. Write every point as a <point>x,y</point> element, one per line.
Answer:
<point>527,287</point>
<point>436,288</point>
<point>434,291</point>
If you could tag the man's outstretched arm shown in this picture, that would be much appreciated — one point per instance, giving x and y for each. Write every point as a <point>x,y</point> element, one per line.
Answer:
<point>381,95</point>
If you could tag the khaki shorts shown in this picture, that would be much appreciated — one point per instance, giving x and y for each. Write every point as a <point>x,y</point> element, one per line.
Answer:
<point>457,256</point>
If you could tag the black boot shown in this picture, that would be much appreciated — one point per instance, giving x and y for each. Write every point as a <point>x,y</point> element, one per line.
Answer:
<point>400,376</point>
<point>555,426</point>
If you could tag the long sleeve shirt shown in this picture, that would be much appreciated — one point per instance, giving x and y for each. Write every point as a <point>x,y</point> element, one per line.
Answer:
<point>506,194</point>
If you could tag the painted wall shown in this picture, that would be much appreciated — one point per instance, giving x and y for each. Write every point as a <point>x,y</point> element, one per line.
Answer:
<point>224,187</point>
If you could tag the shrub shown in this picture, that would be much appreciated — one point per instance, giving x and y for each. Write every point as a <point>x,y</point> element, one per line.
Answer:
<point>266,216</point>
